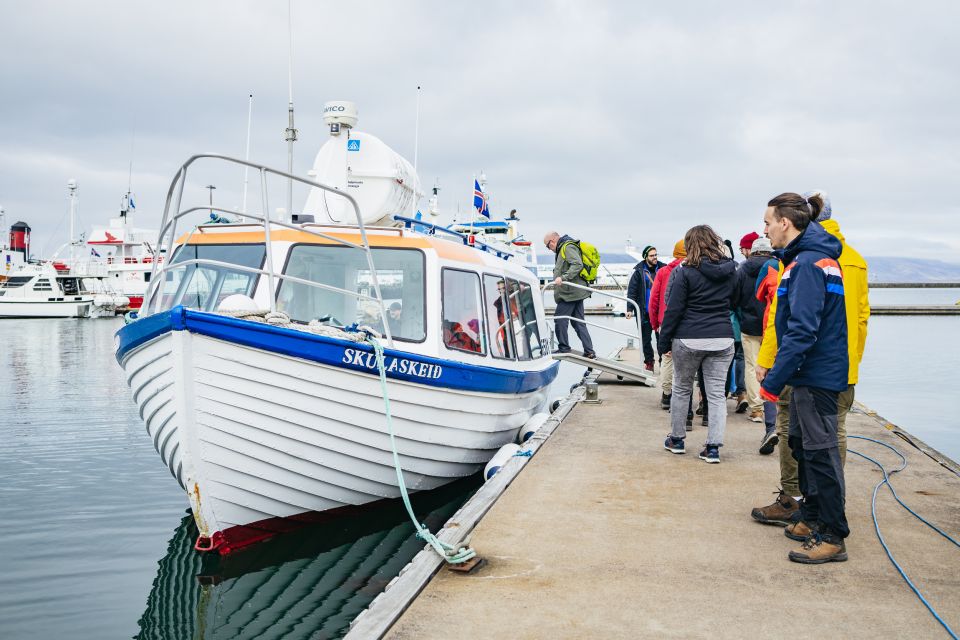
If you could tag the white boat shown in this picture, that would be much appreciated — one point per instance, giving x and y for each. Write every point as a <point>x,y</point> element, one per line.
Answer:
<point>39,291</point>
<point>267,419</point>
<point>126,252</point>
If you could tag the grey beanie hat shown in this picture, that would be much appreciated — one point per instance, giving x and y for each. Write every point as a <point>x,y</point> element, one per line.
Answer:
<point>761,245</point>
<point>826,212</point>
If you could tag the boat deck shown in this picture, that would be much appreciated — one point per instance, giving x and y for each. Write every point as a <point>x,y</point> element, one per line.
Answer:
<point>605,535</point>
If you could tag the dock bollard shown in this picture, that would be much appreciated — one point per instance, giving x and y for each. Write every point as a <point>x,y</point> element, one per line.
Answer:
<point>593,393</point>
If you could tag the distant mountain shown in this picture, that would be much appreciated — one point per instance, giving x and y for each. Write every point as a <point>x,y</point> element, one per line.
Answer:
<point>891,269</point>
<point>881,268</point>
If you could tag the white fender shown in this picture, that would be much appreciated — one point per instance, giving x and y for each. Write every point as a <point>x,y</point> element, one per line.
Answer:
<point>237,302</point>
<point>499,459</point>
<point>531,426</point>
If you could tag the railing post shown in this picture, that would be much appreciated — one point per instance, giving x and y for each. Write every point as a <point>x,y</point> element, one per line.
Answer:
<point>271,282</point>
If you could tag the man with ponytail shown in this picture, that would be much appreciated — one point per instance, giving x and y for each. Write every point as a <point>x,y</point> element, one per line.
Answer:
<point>812,358</point>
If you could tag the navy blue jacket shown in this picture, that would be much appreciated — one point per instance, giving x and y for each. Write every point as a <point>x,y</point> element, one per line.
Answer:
<point>699,302</point>
<point>811,317</point>
<point>637,290</point>
<point>749,309</point>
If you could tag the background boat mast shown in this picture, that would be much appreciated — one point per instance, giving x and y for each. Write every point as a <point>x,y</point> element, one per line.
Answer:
<point>72,191</point>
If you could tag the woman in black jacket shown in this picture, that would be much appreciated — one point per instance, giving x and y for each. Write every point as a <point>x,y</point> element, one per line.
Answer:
<point>697,330</point>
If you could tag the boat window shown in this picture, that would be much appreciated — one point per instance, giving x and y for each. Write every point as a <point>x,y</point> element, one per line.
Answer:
<point>16,281</point>
<point>42,284</point>
<point>461,311</point>
<point>203,286</point>
<point>531,328</point>
<point>516,321</point>
<point>71,286</point>
<point>498,333</point>
<point>400,274</point>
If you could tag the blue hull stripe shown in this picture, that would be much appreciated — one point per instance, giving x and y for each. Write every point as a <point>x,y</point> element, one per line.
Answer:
<point>344,354</point>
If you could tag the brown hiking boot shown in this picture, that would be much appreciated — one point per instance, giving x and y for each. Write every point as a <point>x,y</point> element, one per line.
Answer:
<point>784,510</point>
<point>816,550</point>
<point>756,415</point>
<point>798,531</point>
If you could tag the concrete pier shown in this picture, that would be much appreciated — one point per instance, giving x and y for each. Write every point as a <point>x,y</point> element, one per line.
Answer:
<point>604,534</point>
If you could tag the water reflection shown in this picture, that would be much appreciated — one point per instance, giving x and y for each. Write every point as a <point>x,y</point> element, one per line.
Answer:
<point>309,583</point>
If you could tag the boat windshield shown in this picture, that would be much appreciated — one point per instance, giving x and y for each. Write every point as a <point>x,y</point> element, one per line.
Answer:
<point>399,273</point>
<point>204,286</point>
<point>15,281</point>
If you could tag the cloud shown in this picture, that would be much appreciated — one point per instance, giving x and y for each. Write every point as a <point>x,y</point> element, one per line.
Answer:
<point>603,120</point>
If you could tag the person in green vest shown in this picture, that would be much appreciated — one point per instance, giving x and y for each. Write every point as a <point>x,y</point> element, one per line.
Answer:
<point>569,264</point>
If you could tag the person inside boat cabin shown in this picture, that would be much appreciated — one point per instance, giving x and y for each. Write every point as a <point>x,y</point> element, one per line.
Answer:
<point>455,337</point>
<point>393,318</point>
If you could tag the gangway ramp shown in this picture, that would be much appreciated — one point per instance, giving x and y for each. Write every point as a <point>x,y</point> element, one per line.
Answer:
<point>618,368</point>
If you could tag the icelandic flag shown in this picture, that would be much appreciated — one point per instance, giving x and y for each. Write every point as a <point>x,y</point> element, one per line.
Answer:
<point>132,203</point>
<point>480,199</point>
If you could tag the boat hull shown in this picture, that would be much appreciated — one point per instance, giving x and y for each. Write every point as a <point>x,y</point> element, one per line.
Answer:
<point>45,309</point>
<point>261,438</point>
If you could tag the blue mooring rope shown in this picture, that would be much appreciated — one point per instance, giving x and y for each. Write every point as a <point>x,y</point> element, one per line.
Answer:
<point>876,525</point>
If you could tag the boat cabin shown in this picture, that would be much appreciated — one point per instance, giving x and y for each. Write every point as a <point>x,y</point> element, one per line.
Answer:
<point>442,297</point>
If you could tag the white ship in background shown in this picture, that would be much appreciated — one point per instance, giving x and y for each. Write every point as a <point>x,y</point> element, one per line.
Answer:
<point>126,252</point>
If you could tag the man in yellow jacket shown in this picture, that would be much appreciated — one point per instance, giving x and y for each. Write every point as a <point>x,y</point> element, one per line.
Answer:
<point>785,509</point>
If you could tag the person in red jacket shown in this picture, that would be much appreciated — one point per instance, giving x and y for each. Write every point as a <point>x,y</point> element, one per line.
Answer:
<point>658,306</point>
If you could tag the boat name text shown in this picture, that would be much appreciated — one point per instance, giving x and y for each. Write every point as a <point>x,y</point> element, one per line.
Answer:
<point>391,364</point>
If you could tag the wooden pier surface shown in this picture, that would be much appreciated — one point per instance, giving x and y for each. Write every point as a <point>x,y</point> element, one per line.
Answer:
<point>604,534</point>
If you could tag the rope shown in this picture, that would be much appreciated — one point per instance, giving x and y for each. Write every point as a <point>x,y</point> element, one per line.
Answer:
<point>876,524</point>
<point>452,555</point>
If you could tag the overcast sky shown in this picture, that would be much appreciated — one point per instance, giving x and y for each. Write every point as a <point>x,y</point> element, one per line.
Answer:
<point>602,120</point>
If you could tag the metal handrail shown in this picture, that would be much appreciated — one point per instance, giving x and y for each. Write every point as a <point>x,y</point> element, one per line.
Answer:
<point>169,223</point>
<point>604,293</point>
<point>433,228</point>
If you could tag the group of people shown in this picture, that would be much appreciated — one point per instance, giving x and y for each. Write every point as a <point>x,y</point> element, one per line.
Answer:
<point>796,311</point>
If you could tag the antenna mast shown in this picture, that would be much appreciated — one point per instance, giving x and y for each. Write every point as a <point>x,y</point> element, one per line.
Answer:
<point>416,145</point>
<point>290,132</point>
<point>246,170</point>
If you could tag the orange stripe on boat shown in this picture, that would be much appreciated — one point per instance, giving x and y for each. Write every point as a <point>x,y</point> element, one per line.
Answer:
<point>444,248</point>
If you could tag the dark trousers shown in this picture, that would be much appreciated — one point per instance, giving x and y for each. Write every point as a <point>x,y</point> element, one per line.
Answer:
<point>646,330</point>
<point>813,444</point>
<point>574,310</point>
<point>735,381</point>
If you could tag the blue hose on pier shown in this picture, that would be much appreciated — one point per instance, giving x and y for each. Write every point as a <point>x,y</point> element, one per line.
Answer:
<point>876,525</point>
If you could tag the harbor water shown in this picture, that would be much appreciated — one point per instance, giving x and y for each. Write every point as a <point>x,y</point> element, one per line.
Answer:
<point>95,540</point>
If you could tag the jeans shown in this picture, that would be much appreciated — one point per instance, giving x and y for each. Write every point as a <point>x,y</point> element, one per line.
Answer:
<point>574,310</point>
<point>715,365</point>
<point>813,443</point>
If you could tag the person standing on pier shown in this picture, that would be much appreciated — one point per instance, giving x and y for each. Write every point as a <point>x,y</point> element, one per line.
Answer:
<point>857,306</point>
<point>697,331</point>
<point>569,264</point>
<point>785,510</point>
<point>751,313</point>
<point>811,330</point>
<point>639,290</point>
<point>658,307</point>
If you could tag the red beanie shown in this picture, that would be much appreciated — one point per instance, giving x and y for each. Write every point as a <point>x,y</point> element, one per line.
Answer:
<point>747,241</point>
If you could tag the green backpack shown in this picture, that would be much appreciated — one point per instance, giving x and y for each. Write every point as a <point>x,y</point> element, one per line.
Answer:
<point>591,259</point>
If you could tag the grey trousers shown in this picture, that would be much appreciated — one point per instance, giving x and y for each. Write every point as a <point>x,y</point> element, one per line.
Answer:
<point>715,366</point>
